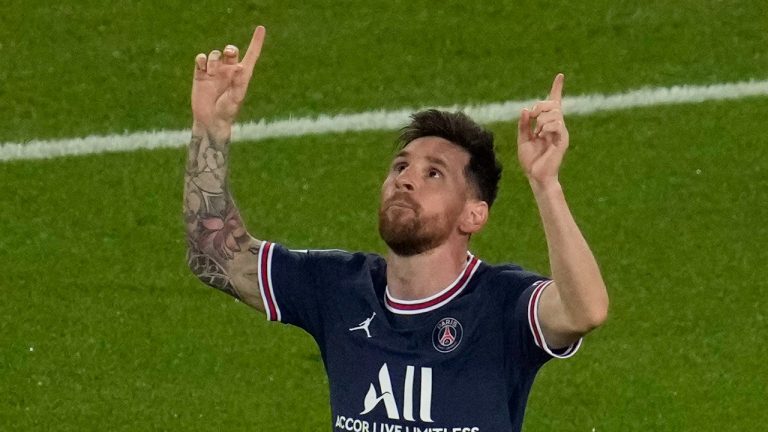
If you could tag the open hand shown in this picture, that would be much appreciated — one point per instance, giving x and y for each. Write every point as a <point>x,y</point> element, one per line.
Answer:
<point>221,82</point>
<point>541,148</point>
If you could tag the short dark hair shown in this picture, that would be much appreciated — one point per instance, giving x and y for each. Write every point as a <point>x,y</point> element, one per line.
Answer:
<point>483,170</point>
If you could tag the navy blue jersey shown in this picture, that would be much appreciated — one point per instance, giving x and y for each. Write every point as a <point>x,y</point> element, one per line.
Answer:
<point>462,360</point>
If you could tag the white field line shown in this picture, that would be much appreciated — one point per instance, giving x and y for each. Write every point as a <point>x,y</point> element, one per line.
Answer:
<point>378,120</point>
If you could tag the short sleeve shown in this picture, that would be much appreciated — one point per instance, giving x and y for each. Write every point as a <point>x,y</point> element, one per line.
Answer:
<point>523,292</point>
<point>528,304</point>
<point>304,287</point>
<point>287,283</point>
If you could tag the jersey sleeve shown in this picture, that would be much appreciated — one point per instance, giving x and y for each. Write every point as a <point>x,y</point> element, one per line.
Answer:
<point>287,282</point>
<point>308,288</point>
<point>528,303</point>
<point>522,318</point>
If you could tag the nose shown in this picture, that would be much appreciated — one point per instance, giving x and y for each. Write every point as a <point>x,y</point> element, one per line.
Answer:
<point>404,181</point>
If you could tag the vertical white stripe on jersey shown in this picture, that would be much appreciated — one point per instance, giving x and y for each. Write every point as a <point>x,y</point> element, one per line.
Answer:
<point>408,394</point>
<point>425,404</point>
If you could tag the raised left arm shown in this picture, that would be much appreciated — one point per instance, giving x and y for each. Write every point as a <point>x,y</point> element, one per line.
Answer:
<point>577,301</point>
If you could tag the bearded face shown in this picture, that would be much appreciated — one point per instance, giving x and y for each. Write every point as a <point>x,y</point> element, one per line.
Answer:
<point>407,230</point>
<point>423,196</point>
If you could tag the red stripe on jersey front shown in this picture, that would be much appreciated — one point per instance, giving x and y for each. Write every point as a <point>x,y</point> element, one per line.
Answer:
<point>459,285</point>
<point>265,288</point>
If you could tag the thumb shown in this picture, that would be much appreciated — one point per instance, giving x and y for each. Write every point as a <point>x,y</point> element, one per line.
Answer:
<point>240,81</point>
<point>524,133</point>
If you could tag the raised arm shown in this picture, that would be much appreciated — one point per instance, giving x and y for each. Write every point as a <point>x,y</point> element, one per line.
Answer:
<point>221,252</point>
<point>577,301</point>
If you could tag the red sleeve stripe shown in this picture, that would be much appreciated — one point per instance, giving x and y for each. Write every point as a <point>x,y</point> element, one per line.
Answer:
<point>533,316</point>
<point>533,322</point>
<point>265,282</point>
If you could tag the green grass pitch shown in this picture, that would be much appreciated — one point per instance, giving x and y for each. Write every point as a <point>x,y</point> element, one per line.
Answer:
<point>103,328</point>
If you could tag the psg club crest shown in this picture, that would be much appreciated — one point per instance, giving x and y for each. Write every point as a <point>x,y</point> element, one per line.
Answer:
<point>447,335</point>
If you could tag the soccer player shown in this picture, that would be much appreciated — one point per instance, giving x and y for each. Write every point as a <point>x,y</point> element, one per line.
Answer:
<point>428,338</point>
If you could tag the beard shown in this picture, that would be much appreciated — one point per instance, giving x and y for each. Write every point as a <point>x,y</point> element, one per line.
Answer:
<point>407,232</point>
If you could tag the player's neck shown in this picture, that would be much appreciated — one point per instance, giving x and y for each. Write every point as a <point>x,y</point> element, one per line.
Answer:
<point>420,276</point>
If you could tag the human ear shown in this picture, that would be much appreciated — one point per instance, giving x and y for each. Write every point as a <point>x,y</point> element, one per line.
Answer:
<point>475,216</point>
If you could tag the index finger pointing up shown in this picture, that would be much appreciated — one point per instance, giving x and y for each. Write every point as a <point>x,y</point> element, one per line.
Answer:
<point>556,94</point>
<point>254,49</point>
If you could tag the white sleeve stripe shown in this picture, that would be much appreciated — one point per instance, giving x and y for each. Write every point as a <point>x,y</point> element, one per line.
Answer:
<point>533,316</point>
<point>533,321</point>
<point>266,289</point>
<point>260,259</point>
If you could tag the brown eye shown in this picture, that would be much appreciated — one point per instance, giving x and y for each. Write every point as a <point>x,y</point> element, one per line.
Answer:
<point>433,173</point>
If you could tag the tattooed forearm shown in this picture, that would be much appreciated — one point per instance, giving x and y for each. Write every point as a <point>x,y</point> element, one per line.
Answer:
<point>209,271</point>
<point>216,234</point>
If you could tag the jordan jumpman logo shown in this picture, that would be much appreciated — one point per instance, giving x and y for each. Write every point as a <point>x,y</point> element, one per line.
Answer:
<point>364,325</point>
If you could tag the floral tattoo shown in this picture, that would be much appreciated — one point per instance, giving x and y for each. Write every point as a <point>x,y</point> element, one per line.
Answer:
<point>215,231</point>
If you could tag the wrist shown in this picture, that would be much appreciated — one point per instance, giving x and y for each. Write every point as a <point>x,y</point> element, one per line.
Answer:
<point>218,129</point>
<point>545,186</point>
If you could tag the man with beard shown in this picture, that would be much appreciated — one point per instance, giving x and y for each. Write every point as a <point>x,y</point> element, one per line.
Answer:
<point>430,337</point>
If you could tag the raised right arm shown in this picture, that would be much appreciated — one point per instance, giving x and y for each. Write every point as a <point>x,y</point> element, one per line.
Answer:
<point>221,252</point>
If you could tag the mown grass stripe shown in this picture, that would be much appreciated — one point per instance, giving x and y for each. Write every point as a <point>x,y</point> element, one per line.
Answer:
<point>378,120</point>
